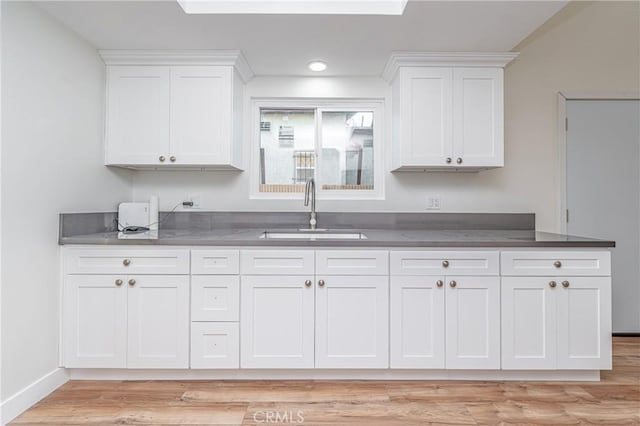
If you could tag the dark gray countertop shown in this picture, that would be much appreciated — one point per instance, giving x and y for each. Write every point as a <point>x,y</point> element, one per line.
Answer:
<point>375,238</point>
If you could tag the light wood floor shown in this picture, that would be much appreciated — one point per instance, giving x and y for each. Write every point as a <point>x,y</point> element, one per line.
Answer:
<point>615,400</point>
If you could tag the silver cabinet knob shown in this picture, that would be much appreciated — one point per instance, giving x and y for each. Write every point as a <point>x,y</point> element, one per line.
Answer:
<point>307,283</point>
<point>161,158</point>
<point>453,284</point>
<point>552,284</point>
<point>126,262</point>
<point>321,283</point>
<point>459,160</point>
<point>439,283</point>
<point>557,264</point>
<point>172,158</point>
<point>445,263</point>
<point>449,160</point>
<point>565,284</point>
<point>132,282</point>
<point>118,282</point>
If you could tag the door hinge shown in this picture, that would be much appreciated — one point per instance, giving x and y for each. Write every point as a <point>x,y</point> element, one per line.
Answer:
<point>567,213</point>
<point>566,124</point>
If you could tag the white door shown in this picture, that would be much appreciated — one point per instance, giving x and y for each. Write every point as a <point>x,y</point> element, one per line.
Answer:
<point>95,321</point>
<point>472,322</point>
<point>352,322</point>
<point>603,192</point>
<point>201,115</point>
<point>158,321</point>
<point>478,133</point>
<point>417,322</point>
<point>137,115</point>
<point>584,323</point>
<point>529,323</point>
<point>276,321</point>
<point>426,130</point>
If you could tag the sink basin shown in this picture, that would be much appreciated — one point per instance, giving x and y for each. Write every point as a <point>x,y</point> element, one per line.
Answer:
<point>313,235</point>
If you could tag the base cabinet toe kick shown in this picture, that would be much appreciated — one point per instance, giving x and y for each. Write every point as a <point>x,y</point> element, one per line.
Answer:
<point>298,312</point>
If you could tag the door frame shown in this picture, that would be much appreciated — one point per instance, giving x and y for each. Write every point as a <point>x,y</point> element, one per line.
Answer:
<point>562,98</point>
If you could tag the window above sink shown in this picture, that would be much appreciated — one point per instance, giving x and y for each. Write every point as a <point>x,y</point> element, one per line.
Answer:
<point>337,143</point>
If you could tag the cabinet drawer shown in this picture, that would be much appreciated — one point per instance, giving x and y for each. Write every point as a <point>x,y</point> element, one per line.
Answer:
<point>352,262</point>
<point>445,262</point>
<point>554,263</point>
<point>155,261</point>
<point>215,262</point>
<point>276,262</point>
<point>215,298</point>
<point>215,345</point>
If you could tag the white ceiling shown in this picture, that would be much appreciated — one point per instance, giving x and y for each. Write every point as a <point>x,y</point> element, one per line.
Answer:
<point>284,44</point>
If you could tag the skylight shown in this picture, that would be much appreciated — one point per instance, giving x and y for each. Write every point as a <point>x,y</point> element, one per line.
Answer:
<point>296,7</point>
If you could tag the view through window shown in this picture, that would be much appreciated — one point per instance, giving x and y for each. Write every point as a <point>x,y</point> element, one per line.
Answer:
<point>335,147</point>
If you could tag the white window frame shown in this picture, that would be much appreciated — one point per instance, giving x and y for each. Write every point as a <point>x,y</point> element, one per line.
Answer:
<point>320,105</point>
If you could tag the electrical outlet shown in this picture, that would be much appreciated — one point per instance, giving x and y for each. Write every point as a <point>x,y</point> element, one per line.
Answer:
<point>196,199</point>
<point>433,202</point>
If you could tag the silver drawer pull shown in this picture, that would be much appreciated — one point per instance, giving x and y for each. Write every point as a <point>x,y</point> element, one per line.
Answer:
<point>439,283</point>
<point>453,284</point>
<point>445,263</point>
<point>557,264</point>
<point>126,262</point>
<point>132,282</point>
<point>565,284</point>
<point>307,283</point>
<point>552,284</point>
<point>118,282</point>
<point>321,283</point>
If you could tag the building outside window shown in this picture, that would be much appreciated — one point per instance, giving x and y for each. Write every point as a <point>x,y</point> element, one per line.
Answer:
<point>338,145</point>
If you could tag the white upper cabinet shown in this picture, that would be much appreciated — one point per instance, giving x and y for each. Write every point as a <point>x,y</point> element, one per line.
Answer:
<point>174,109</point>
<point>447,110</point>
<point>138,106</point>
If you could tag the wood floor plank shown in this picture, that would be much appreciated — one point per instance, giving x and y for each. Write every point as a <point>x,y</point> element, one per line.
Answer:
<point>614,400</point>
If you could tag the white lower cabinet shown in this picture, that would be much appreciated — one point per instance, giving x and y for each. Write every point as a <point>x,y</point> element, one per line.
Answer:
<point>561,323</point>
<point>472,323</point>
<point>276,321</point>
<point>336,309</point>
<point>417,322</point>
<point>445,322</point>
<point>352,322</point>
<point>529,323</point>
<point>95,321</point>
<point>158,322</point>
<point>126,321</point>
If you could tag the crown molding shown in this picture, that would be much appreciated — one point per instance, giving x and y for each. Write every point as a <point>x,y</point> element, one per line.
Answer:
<point>445,59</point>
<point>233,58</point>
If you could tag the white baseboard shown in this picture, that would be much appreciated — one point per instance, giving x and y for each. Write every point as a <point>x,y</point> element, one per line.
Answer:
<point>344,374</point>
<point>22,400</point>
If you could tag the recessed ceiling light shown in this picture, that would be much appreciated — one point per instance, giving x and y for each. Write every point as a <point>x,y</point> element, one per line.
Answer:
<point>297,7</point>
<point>317,66</point>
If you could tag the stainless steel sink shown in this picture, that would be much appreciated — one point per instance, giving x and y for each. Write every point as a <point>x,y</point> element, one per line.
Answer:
<point>318,234</point>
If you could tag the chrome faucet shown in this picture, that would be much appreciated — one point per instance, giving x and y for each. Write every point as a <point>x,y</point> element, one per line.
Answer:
<point>310,192</point>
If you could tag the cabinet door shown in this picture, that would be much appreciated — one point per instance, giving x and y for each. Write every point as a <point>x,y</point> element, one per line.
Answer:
<point>529,323</point>
<point>352,322</point>
<point>276,321</point>
<point>417,322</point>
<point>584,323</point>
<point>201,115</point>
<point>95,321</point>
<point>158,321</point>
<point>137,115</point>
<point>478,133</point>
<point>473,322</point>
<point>425,114</point>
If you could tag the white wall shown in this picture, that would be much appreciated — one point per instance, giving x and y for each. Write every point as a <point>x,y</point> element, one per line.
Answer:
<point>52,155</point>
<point>587,46</point>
